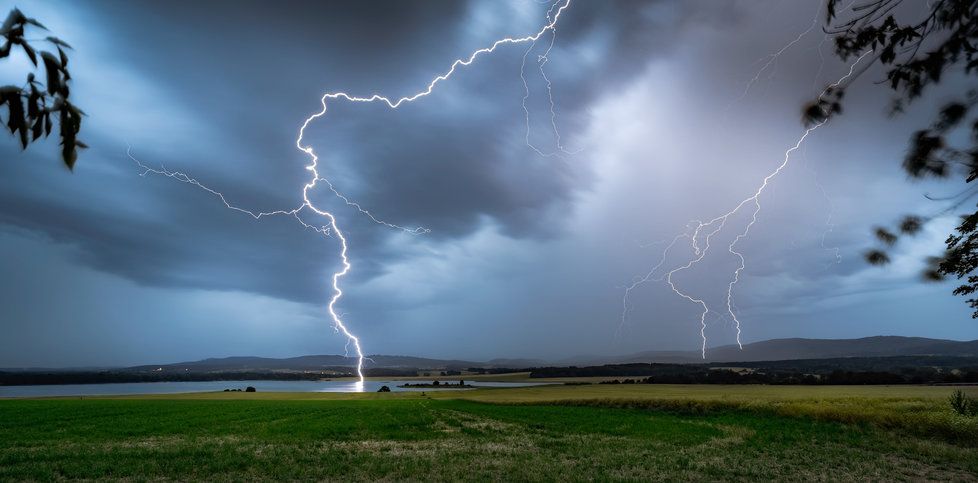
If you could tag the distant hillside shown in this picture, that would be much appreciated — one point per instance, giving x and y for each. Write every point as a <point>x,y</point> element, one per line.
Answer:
<point>306,363</point>
<point>769,350</point>
<point>791,349</point>
<point>879,346</point>
<point>513,363</point>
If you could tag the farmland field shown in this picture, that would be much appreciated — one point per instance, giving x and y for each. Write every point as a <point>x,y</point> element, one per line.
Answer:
<point>629,432</point>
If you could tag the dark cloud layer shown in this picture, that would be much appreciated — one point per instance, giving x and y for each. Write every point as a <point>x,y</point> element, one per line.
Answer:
<point>449,164</point>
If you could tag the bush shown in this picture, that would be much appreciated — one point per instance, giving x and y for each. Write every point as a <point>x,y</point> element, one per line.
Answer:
<point>384,389</point>
<point>250,389</point>
<point>962,404</point>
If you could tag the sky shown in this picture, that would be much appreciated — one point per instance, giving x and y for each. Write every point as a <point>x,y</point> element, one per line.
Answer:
<point>666,112</point>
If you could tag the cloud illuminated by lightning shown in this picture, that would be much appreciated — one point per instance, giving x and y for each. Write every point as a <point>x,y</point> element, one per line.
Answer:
<point>767,62</point>
<point>707,230</point>
<point>331,228</point>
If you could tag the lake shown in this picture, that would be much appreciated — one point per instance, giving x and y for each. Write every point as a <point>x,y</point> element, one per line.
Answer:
<point>126,388</point>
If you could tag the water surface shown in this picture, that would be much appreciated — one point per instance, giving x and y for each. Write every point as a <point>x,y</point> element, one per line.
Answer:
<point>128,388</point>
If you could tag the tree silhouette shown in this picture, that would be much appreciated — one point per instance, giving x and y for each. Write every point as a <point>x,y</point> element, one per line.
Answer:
<point>916,56</point>
<point>33,108</point>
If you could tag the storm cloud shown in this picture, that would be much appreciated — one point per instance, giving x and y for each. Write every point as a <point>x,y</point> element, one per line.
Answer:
<point>528,251</point>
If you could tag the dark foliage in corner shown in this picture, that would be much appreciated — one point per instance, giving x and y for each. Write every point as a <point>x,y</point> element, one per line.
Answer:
<point>33,108</point>
<point>916,55</point>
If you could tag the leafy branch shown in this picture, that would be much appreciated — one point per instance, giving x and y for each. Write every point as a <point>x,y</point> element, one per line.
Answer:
<point>33,108</point>
<point>915,56</point>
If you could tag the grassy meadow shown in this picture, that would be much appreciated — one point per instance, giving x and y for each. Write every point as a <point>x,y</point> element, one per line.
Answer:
<point>622,432</point>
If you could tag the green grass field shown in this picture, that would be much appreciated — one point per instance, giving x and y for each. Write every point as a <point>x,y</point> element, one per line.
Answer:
<point>637,432</point>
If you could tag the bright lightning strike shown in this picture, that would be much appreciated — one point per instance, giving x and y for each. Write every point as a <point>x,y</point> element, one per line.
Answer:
<point>331,227</point>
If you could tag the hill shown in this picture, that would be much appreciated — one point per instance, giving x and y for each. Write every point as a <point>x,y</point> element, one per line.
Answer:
<point>798,348</point>
<point>832,351</point>
<point>305,363</point>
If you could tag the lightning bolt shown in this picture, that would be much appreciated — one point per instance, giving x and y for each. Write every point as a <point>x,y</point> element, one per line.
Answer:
<point>625,301</point>
<point>710,228</point>
<point>541,62</point>
<point>766,62</point>
<point>331,228</point>
<point>772,58</point>
<point>829,225</point>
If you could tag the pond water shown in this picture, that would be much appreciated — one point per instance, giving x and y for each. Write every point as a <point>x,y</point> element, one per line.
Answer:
<point>127,388</point>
